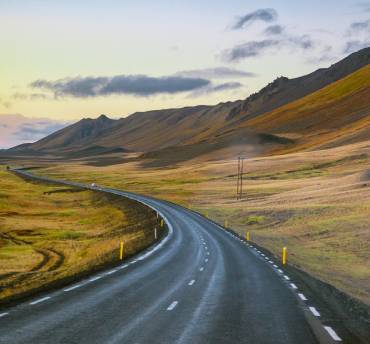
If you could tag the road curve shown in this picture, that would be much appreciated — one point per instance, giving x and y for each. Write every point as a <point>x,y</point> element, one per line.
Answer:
<point>200,284</point>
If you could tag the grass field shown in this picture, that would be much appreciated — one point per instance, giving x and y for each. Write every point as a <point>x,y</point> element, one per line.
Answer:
<point>50,233</point>
<point>315,203</point>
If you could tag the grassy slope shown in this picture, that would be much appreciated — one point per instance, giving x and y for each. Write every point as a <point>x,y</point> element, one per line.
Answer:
<point>328,115</point>
<point>48,233</point>
<point>316,203</point>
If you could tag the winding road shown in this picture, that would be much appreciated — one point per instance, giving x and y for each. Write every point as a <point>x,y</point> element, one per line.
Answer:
<point>200,284</point>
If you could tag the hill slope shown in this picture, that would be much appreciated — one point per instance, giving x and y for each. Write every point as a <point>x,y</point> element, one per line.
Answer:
<point>337,114</point>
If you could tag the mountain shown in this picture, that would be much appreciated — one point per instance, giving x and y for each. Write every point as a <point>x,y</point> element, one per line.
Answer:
<point>285,115</point>
<point>77,135</point>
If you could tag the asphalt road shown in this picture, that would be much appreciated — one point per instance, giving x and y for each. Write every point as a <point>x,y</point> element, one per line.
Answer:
<point>200,284</point>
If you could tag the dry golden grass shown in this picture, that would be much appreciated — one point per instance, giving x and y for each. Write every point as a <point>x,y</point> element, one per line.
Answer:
<point>49,233</point>
<point>316,203</point>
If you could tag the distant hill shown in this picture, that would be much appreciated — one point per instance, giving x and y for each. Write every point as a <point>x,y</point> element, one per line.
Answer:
<point>286,115</point>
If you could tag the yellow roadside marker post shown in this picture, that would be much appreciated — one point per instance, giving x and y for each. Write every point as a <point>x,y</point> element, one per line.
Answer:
<point>226,224</point>
<point>206,214</point>
<point>284,255</point>
<point>162,223</point>
<point>121,250</point>
<point>247,236</point>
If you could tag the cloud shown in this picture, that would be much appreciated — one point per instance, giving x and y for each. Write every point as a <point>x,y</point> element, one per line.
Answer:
<point>139,85</point>
<point>31,132</point>
<point>249,49</point>
<point>273,30</point>
<point>355,45</point>
<point>227,86</point>
<point>364,6</point>
<point>216,73</point>
<point>30,96</point>
<point>16,129</point>
<point>257,48</point>
<point>326,54</point>
<point>357,27</point>
<point>266,15</point>
<point>357,36</point>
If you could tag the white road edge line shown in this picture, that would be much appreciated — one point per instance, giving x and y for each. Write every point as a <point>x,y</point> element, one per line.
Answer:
<point>73,288</point>
<point>302,297</point>
<point>286,277</point>
<point>293,286</point>
<point>40,300</point>
<point>172,305</point>
<point>332,334</point>
<point>111,272</point>
<point>95,278</point>
<point>3,314</point>
<point>314,311</point>
<point>191,282</point>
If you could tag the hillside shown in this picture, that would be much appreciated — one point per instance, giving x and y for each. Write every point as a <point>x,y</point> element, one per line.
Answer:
<point>335,115</point>
<point>315,106</point>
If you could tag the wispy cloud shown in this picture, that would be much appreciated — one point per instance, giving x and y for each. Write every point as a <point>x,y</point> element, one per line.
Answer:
<point>227,86</point>
<point>266,15</point>
<point>217,73</point>
<point>31,132</point>
<point>356,45</point>
<point>30,96</point>
<point>16,129</point>
<point>257,48</point>
<point>357,36</point>
<point>138,85</point>
<point>364,6</point>
<point>274,30</point>
<point>360,26</point>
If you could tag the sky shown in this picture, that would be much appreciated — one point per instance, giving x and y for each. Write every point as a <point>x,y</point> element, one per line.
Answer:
<point>65,60</point>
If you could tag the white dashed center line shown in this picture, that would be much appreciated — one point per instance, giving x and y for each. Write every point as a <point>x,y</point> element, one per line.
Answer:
<point>172,305</point>
<point>191,282</point>
<point>286,277</point>
<point>73,288</point>
<point>332,334</point>
<point>302,297</point>
<point>293,286</point>
<point>208,253</point>
<point>206,260</point>
<point>201,269</point>
<point>314,311</point>
<point>281,271</point>
<point>40,300</point>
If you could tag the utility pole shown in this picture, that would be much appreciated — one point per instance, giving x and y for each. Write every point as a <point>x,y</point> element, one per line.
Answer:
<point>239,185</point>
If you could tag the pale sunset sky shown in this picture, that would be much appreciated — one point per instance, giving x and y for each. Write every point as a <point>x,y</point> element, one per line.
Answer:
<point>62,60</point>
